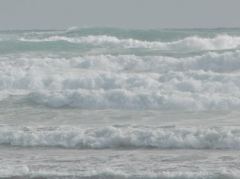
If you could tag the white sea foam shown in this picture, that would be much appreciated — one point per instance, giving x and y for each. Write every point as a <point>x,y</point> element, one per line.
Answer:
<point>161,102</point>
<point>123,137</point>
<point>125,99</point>
<point>206,82</point>
<point>219,42</point>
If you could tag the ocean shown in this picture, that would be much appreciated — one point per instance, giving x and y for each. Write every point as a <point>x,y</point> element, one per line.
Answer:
<point>110,103</point>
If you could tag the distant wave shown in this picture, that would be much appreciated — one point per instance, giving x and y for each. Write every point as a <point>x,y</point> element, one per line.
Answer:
<point>123,137</point>
<point>192,43</point>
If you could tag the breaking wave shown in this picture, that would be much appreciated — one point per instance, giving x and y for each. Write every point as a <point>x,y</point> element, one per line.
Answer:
<point>192,43</point>
<point>125,99</point>
<point>165,71</point>
<point>207,82</point>
<point>191,81</point>
<point>123,137</point>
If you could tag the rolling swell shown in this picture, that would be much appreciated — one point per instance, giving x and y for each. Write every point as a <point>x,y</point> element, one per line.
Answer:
<point>194,43</point>
<point>117,43</point>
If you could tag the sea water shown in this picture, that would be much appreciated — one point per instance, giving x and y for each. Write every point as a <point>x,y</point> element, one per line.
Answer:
<point>119,103</point>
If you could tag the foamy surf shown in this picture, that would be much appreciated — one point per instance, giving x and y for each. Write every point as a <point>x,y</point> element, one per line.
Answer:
<point>136,167</point>
<point>120,103</point>
<point>193,43</point>
<point>197,83</point>
<point>129,137</point>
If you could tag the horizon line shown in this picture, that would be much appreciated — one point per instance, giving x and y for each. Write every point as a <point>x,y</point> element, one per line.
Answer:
<point>73,28</point>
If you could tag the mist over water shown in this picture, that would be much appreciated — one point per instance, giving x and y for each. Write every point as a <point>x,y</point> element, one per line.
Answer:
<point>167,94</point>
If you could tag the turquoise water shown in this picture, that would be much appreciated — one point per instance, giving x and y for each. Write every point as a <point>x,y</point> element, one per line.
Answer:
<point>20,41</point>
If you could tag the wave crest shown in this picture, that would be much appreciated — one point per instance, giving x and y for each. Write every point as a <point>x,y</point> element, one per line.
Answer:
<point>207,82</point>
<point>123,137</point>
<point>193,43</point>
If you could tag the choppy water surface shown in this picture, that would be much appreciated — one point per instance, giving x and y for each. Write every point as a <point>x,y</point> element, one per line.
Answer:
<point>115,103</point>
